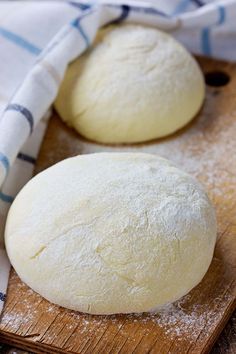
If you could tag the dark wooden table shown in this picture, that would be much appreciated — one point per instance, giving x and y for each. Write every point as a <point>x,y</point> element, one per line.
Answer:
<point>226,343</point>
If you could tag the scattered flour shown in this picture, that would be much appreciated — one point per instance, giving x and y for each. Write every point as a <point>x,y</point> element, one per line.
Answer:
<point>180,321</point>
<point>206,150</point>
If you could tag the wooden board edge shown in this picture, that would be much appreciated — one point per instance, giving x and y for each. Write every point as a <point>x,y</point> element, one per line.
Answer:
<point>39,348</point>
<point>215,335</point>
<point>22,343</point>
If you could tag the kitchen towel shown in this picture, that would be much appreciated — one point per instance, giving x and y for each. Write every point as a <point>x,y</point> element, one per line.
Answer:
<point>38,39</point>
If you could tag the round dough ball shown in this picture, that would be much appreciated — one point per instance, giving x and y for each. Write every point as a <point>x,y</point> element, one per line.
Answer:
<point>135,84</point>
<point>111,233</point>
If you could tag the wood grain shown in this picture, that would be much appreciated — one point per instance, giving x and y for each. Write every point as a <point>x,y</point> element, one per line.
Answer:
<point>206,149</point>
<point>225,344</point>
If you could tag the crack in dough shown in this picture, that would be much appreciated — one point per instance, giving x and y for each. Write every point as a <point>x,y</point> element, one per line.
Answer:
<point>128,232</point>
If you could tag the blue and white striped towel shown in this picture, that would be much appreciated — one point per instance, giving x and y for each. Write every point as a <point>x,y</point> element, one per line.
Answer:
<point>37,41</point>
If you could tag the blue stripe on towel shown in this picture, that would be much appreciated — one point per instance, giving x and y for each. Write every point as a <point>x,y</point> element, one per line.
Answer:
<point>221,10</point>
<point>206,32</point>
<point>2,297</point>
<point>76,23</point>
<point>206,41</point>
<point>26,158</point>
<point>6,198</point>
<point>125,9</point>
<point>19,41</point>
<point>79,5</point>
<point>5,162</point>
<point>181,7</point>
<point>24,111</point>
<point>198,2</point>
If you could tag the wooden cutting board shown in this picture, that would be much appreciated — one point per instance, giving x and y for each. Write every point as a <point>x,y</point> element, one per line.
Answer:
<point>207,149</point>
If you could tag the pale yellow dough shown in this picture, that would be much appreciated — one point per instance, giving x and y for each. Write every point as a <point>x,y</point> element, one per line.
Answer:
<point>135,84</point>
<point>111,233</point>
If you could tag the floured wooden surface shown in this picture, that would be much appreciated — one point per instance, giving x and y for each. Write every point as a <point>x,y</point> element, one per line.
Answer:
<point>207,149</point>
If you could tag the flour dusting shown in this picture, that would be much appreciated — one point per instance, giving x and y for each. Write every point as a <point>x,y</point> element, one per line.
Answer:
<point>180,321</point>
<point>205,149</point>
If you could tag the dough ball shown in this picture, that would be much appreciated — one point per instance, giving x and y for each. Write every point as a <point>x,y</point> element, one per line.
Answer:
<point>134,85</point>
<point>111,233</point>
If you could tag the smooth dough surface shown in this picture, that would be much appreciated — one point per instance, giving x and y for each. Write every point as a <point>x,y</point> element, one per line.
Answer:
<point>111,233</point>
<point>135,84</point>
